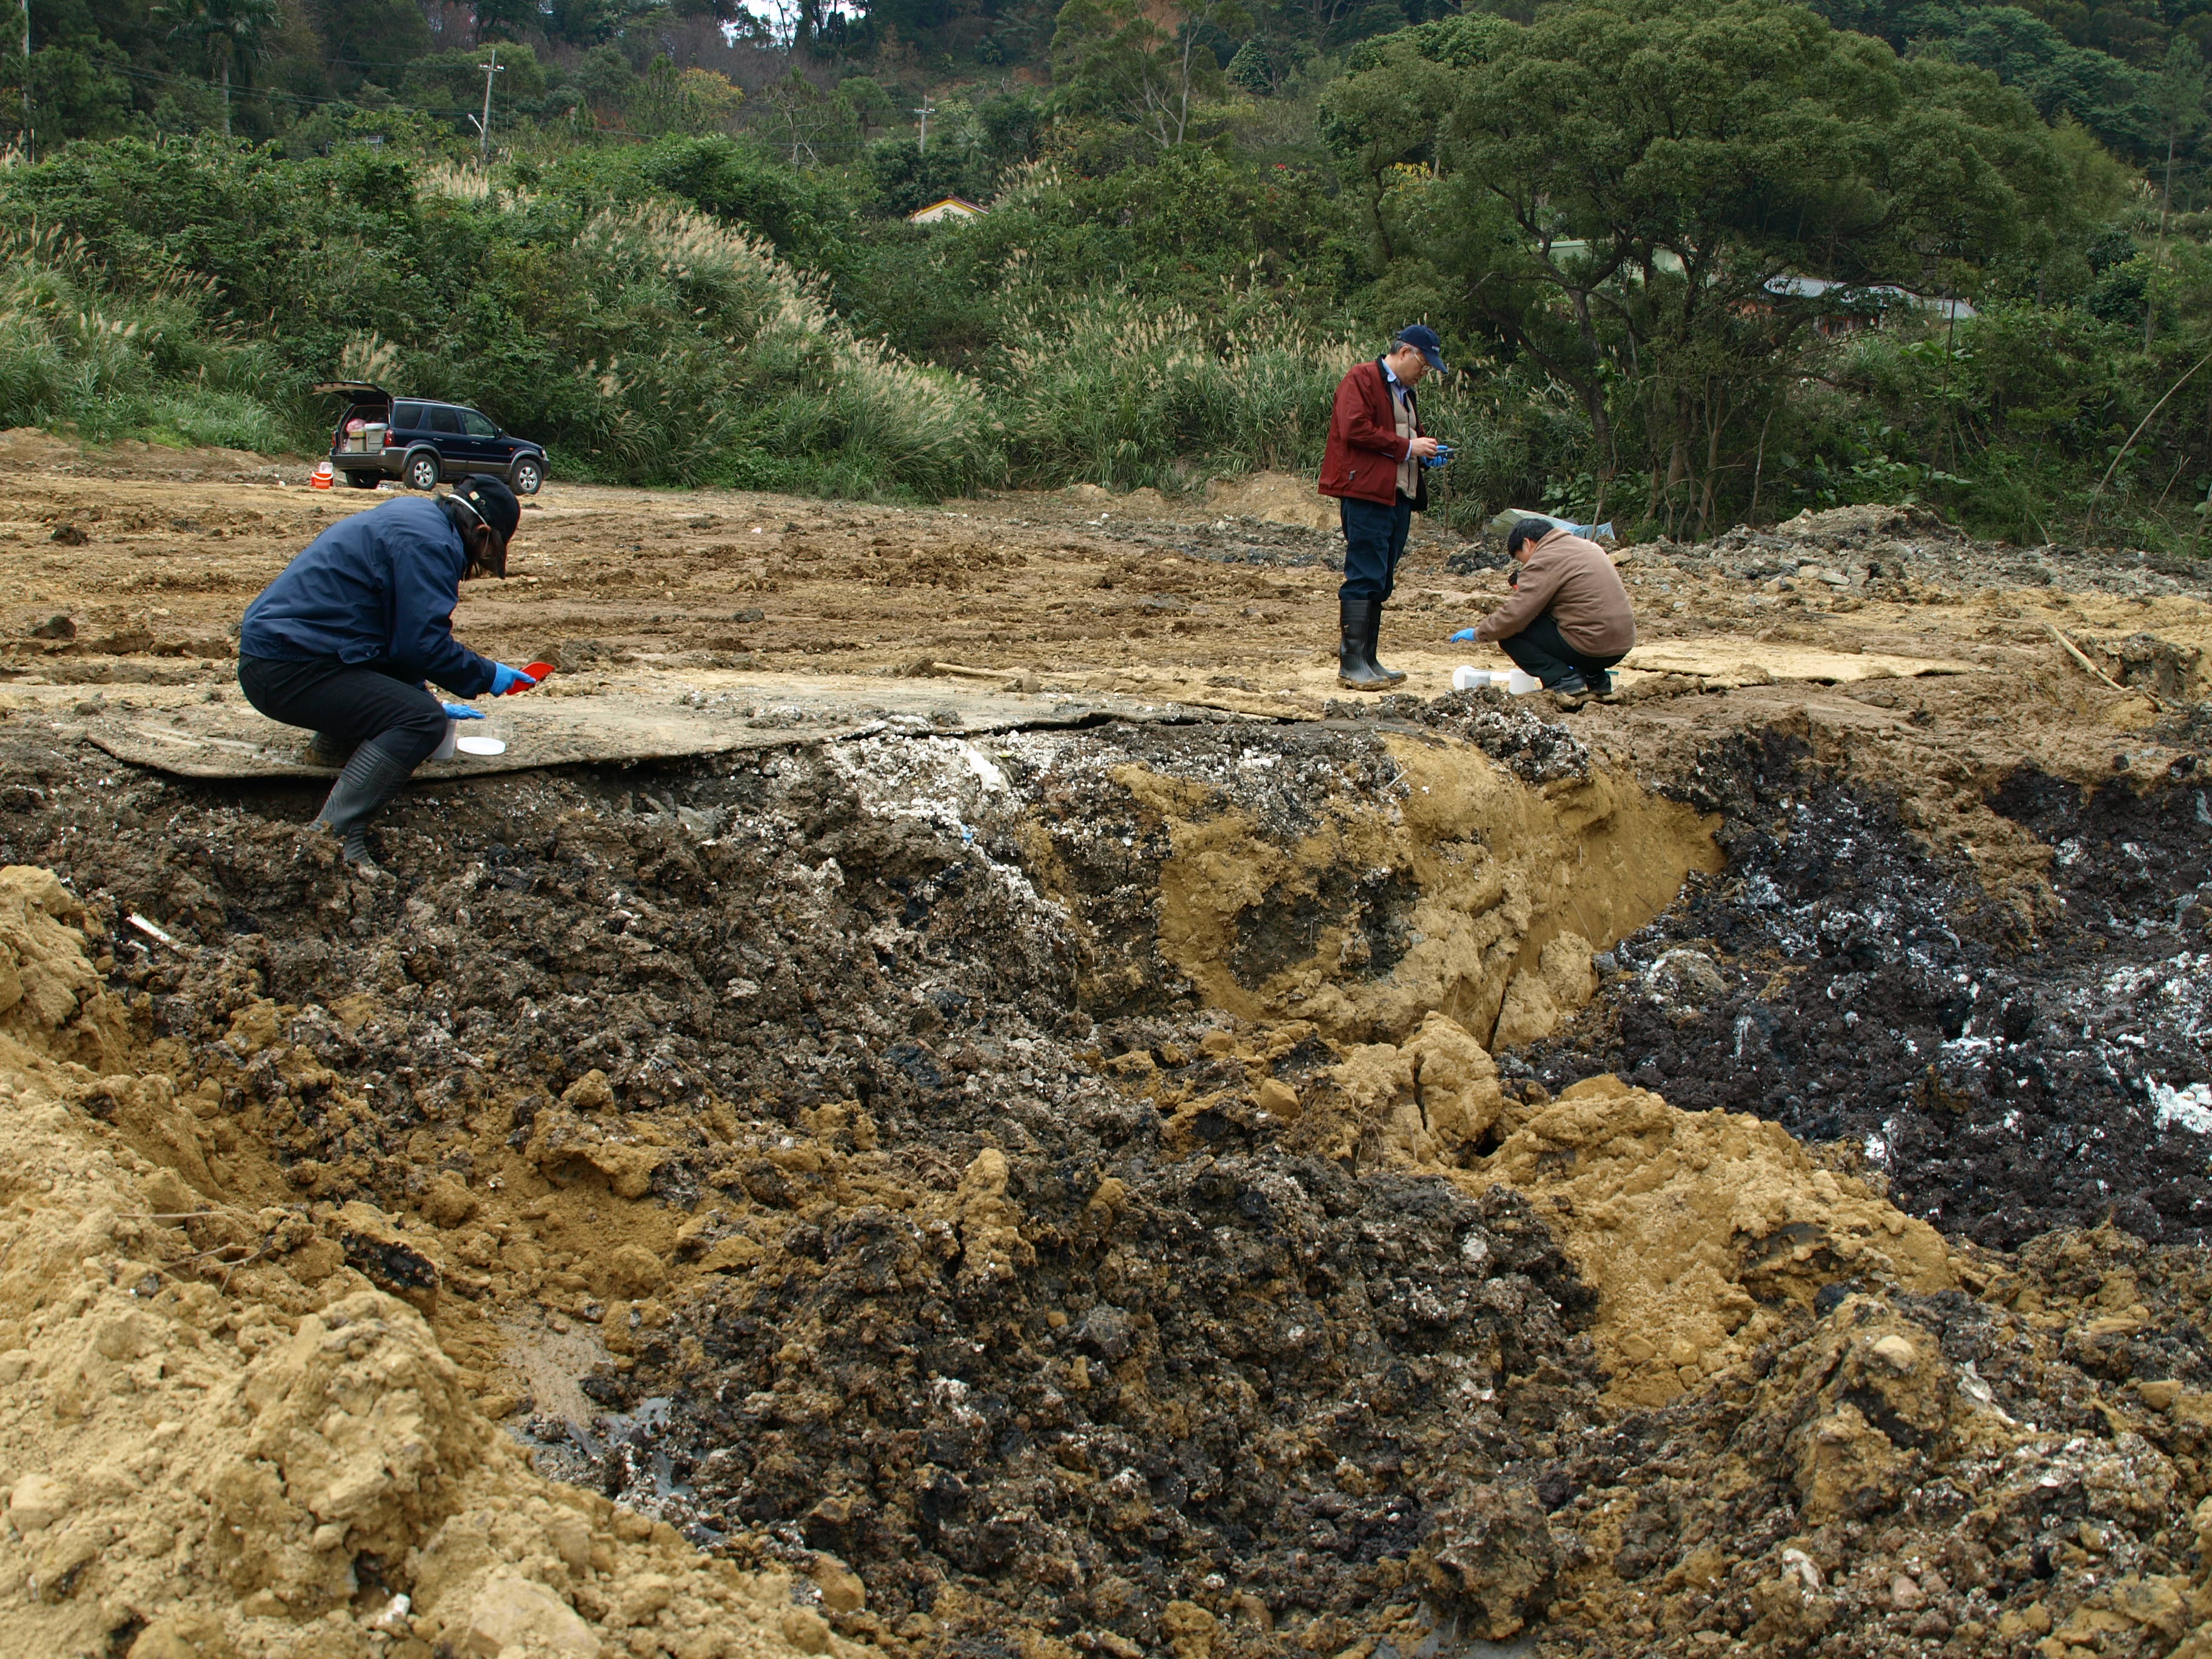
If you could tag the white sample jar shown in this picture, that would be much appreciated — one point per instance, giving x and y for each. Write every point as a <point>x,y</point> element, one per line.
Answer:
<point>445,749</point>
<point>1518,682</point>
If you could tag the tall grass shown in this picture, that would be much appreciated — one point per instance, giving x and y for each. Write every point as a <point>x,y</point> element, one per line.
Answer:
<point>1106,389</point>
<point>641,342</point>
<point>76,358</point>
<point>777,393</point>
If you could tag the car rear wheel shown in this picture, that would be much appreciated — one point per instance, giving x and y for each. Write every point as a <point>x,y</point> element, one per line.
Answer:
<point>363,480</point>
<point>528,475</point>
<point>422,472</point>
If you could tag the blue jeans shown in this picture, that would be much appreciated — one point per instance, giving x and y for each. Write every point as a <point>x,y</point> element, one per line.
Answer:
<point>1374,538</point>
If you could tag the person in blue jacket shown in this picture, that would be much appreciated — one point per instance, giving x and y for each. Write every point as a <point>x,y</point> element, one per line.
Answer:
<point>341,642</point>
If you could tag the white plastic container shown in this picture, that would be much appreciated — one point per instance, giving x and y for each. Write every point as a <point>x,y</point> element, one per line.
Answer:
<point>444,751</point>
<point>1515,682</point>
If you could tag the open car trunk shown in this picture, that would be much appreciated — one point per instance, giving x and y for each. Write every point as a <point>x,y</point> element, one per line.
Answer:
<point>361,429</point>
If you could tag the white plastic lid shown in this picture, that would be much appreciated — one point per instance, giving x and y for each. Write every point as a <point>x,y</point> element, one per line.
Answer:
<point>473,745</point>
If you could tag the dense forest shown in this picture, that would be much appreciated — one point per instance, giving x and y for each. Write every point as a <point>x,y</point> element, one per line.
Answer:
<point>1694,261</point>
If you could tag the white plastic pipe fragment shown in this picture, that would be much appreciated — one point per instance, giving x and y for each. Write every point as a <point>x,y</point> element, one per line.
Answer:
<point>152,932</point>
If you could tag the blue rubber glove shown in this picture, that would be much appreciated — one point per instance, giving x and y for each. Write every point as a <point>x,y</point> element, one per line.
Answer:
<point>461,711</point>
<point>1442,457</point>
<point>505,679</point>
<point>1465,636</point>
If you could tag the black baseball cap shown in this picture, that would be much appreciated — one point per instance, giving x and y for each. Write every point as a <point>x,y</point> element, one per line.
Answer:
<point>493,504</point>
<point>1423,339</point>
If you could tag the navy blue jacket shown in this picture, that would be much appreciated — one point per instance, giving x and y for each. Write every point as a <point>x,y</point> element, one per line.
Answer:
<point>380,587</point>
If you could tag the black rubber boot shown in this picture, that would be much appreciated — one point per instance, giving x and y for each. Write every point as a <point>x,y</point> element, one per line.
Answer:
<point>1374,634</point>
<point>371,778</point>
<point>1571,692</point>
<point>1355,666</point>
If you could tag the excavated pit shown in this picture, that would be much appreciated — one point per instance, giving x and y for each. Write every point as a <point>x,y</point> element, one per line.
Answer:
<point>1015,1272</point>
<point>1088,1220</point>
<point>1052,1193</point>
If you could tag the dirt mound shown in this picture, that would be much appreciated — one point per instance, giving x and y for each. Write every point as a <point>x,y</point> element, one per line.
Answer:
<point>53,1001</point>
<point>1700,1232</point>
<point>1274,497</point>
<point>2013,1472</point>
<point>1283,891</point>
<point>25,448</point>
<point>1052,1193</point>
<point>189,1468</point>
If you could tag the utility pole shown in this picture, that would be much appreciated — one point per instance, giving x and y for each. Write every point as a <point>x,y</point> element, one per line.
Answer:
<point>30,143</point>
<point>484,125</point>
<point>927,110</point>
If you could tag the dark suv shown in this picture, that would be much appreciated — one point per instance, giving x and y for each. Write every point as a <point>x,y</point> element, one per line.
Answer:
<point>420,442</point>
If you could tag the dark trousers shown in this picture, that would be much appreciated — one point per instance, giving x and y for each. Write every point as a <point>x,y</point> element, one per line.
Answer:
<point>1543,651</point>
<point>350,703</point>
<point>1374,538</point>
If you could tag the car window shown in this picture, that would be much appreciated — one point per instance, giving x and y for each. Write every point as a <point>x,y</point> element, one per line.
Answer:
<point>476,426</point>
<point>445,420</point>
<point>408,417</point>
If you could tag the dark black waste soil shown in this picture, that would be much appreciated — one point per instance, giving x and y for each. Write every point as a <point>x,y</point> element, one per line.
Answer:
<point>1251,1371</point>
<point>1241,1373</point>
<point>1839,979</point>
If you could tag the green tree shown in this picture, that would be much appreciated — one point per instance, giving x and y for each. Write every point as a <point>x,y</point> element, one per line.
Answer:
<point>232,34</point>
<point>2108,97</point>
<point>607,80</point>
<point>371,41</point>
<point>691,101</point>
<point>1252,70</point>
<point>508,19</point>
<point>1151,67</point>
<point>1638,234</point>
<point>2178,96</point>
<point>870,106</point>
<point>451,83</point>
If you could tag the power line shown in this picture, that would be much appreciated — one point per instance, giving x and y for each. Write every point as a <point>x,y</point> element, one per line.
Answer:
<point>286,97</point>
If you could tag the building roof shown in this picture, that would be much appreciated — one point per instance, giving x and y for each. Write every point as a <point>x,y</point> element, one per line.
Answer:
<point>949,207</point>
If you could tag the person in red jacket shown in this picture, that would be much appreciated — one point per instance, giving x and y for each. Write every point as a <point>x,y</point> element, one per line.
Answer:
<point>1373,466</point>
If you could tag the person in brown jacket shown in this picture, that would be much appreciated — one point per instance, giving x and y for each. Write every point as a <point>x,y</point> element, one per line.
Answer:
<point>1569,620</point>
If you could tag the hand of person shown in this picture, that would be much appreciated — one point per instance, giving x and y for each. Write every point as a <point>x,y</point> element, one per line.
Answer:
<point>1421,448</point>
<point>505,679</point>
<point>461,711</point>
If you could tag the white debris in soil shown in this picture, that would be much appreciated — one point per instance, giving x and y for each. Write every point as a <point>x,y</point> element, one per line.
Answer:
<point>2189,1108</point>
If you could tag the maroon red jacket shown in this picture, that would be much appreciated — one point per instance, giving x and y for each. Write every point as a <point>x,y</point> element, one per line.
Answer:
<point>1364,444</point>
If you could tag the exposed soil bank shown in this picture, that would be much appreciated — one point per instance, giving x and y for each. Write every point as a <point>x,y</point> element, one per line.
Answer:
<point>946,1174</point>
<point>1053,1192</point>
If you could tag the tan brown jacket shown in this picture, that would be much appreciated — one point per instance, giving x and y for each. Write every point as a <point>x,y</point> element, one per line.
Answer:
<point>1574,580</point>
